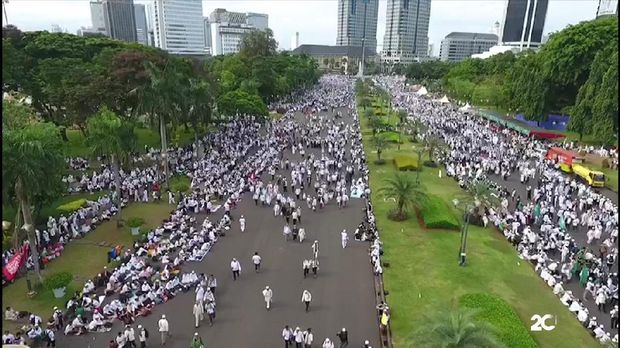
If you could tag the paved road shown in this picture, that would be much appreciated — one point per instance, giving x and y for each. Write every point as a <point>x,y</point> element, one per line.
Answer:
<point>342,294</point>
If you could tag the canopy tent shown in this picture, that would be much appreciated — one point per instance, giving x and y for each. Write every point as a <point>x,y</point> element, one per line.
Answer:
<point>444,100</point>
<point>466,107</point>
<point>422,91</point>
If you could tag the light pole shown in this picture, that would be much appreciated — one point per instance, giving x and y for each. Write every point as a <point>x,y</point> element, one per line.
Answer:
<point>6,19</point>
<point>361,72</point>
<point>466,209</point>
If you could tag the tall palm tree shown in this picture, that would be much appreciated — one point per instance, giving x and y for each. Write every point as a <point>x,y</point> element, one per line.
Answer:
<point>455,328</point>
<point>32,166</point>
<point>108,137</point>
<point>407,193</point>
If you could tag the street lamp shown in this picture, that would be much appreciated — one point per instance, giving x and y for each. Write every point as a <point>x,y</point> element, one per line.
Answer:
<point>466,209</point>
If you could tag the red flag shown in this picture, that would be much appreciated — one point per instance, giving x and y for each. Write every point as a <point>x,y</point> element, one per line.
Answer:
<point>15,263</point>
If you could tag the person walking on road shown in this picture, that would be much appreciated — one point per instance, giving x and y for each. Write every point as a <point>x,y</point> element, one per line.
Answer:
<point>212,283</point>
<point>315,249</point>
<point>268,295</point>
<point>299,338</point>
<point>164,329</point>
<point>130,334</point>
<point>256,259</point>
<point>197,341</point>
<point>306,267</point>
<point>142,336</point>
<point>302,235</point>
<point>287,232</point>
<point>344,238</point>
<point>306,298</point>
<point>287,336</point>
<point>315,267</point>
<point>327,343</point>
<point>210,308</point>
<point>242,223</point>
<point>308,338</point>
<point>235,266</point>
<point>343,335</point>
<point>198,312</point>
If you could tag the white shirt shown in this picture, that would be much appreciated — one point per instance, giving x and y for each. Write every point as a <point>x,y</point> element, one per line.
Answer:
<point>235,266</point>
<point>256,259</point>
<point>163,325</point>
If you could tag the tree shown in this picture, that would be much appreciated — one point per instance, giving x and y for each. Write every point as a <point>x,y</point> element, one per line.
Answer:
<point>258,43</point>
<point>109,137</point>
<point>242,103</point>
<point>407,193</point>
<point>455,328</point>
<point>413,128</point>
<point>433,143</point>
<point>32,167</point>
<point>380,143</point>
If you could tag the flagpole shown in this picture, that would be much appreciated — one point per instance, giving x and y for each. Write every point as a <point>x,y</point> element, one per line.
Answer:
<point>6,19</point>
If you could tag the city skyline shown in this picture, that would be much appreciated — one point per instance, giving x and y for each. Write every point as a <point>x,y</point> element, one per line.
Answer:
<point>316,24</point>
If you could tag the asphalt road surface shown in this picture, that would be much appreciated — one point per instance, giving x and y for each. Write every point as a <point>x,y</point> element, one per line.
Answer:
<point>342,294</point>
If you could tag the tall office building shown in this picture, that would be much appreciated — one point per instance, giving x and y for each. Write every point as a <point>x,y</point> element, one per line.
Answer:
<point>259,21</point>
<point>178,26</point>
<point>357,20</point>
<point>524,22</point>
<point>120,20</point>
<point>96,15</point>
<point>142,34</point>
<point>406,31</point>
<point>607,8</point>
<point>457,46</point>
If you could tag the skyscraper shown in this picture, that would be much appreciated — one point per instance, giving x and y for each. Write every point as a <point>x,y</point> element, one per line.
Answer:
<point>357,19</point>
<point>120,20</point>
<point>524,23</point>
<point>228,28</point>
<point>96,15</point>
<point>406,32</point>
<point>141,24</point>
<point>178,26</point>
<point>259,21</point>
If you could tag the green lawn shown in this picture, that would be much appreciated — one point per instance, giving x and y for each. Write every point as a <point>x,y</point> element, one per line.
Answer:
<point>424,275</point>
<point>83,258</point>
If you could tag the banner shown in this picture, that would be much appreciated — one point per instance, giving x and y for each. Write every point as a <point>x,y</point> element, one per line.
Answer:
<point>15,263</point>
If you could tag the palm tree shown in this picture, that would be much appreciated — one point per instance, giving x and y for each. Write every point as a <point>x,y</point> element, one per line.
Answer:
<point>433,144</point>
<point>407,193</point>
<point>32,167</point>
<point>456,328</point>
<point>108,136</point>
<point>413,128</point>
<point>380,143</point>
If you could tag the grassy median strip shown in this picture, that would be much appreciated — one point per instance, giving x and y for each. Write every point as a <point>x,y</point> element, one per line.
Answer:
<point>423,274</point>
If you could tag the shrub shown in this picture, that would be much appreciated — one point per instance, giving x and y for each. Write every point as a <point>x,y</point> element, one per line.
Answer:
<point>72,206</point>
<point>135,222</point>
<point>392,137</point>
<point>430,164</point>
<point>510,329</point>
<point>179,183</point>
<point>380,162</point>
<point>58,280</point>
<point>437,214</point>
<point>404,162</point>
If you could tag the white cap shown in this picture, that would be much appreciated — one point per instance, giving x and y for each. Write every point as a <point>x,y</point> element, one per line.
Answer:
<point>163,316</point>
<point>366,342</point>
<point>195,333</point>
<point>266,287</point>
<point>139,326</point>
<point>343,329</point>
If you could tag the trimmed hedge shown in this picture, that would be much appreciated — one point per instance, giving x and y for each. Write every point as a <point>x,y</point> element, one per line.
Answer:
<point>511,331</point>
<point>180,183</point>
<point>404,162</point>
<point>70,207</point>
<point>437,214</point>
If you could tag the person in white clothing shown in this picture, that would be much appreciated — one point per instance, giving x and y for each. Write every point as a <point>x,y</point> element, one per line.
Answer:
<point>299,337</point>
<point>306,298</point>
<point>235,266</point>
<point>256,259</point>
<point>328,343</point>
<point>302,235</point>
<point>130,335</point>
<point>344,238</point>
<point>308,338</point>
<point>198,312</point>
<point>315,249</point>
<point>268,295</point>
<point>142,336</point>
<point>242,223</point>
<point>164,330</point>
<point>171,198</point>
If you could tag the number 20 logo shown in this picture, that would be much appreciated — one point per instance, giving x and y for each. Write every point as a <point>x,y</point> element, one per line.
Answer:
<point>540,322</point>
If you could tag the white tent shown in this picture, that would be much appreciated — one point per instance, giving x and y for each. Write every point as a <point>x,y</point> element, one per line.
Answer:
<point>422,91</point>
<point>444,100</point>
<point>466,107</point>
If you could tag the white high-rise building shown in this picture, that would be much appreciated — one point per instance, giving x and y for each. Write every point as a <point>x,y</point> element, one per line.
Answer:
<point>228,28</point>
<point>259,21</point>
<point>96,15</point>
<point>178,26</point>
<point>406,31</point>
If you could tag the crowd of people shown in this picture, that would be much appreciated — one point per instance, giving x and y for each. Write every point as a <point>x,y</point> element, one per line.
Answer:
<point>547,224</point>
<point>244,155</point>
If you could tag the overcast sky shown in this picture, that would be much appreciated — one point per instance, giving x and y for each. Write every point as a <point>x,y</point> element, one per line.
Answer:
<point>315,20</point>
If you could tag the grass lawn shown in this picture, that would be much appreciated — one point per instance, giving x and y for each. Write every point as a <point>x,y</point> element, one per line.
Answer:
<point>424,275</point>
<point>76,146</point>
<point>83,258</point>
